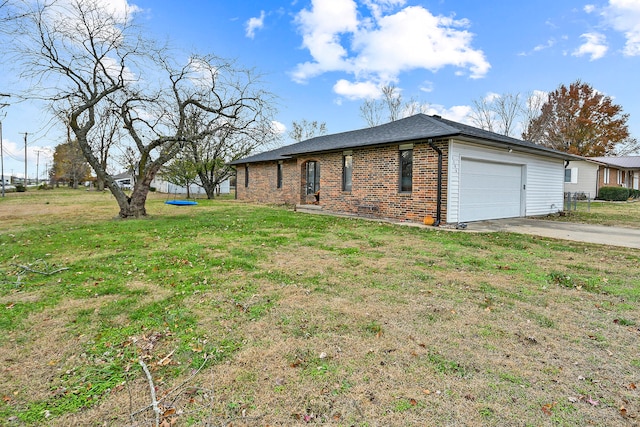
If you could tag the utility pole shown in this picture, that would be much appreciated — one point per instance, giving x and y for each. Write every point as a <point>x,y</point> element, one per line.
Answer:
<point>38,165</point>
<point>25,159</point>
<point>1,153</point>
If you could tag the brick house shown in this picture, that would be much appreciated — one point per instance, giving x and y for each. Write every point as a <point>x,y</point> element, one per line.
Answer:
<point>417,167</point>
<point>621,171</point>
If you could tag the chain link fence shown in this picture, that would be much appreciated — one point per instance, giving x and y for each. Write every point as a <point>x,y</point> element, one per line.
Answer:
<point>571,201</point>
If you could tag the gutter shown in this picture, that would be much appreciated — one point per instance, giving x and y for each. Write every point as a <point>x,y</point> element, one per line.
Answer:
<point>439,196</point>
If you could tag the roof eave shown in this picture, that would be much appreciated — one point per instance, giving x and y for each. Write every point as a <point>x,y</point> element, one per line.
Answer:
<point>516,146</point>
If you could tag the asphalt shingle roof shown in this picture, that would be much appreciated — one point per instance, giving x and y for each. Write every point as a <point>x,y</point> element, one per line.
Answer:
<point>418,127</point>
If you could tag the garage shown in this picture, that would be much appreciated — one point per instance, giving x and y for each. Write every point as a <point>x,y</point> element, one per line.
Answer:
<point>489,190</point>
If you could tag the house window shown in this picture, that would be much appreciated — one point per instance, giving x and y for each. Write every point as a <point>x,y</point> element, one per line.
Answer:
<point>571,175</point>
<point>347,170</point>
<point>406,170</point>
<point>313,177</point>
<point>619,177</point>
<point>279,176</point>
<point>246,175</point>
<point>606,176</point>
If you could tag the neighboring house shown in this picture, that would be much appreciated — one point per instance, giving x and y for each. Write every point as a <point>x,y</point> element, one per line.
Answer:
<point>618,171</point>
<point>592,173</point>
<point>163,186</point>
<point>581,176</point>
<point>124,180</point>
<point>410,169</point>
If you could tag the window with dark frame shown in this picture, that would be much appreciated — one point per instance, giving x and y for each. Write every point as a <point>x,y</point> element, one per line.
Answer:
<point>347,171</point>
<point>406,171</point>
<point>246,175</point>
<point>313,177</point>
<point>279,176</point>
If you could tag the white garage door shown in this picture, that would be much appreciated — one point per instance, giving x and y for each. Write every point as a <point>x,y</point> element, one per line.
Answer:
<point>489,190</point>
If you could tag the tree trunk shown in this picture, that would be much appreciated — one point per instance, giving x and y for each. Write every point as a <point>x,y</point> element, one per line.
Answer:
<point>208,185</point>
<point>134,206</point>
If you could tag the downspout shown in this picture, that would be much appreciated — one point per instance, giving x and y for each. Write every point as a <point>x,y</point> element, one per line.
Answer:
<point>439,196</point>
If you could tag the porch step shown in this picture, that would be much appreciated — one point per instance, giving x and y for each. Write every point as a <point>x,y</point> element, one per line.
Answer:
<point>308,208</point>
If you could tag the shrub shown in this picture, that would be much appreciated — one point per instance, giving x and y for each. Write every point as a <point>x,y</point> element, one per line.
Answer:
<point>152,189</point>
<point>614,193</point>
<point>20,188</point>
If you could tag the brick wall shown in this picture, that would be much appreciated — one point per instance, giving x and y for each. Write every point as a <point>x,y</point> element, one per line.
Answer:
<point>613,177</point>
<point>262,186</point>
<point>375,183</point>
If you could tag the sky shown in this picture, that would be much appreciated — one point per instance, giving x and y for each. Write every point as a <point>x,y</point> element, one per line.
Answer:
<point>322,58</point>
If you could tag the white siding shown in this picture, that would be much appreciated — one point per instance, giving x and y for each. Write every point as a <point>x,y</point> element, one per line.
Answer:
<point>543,177</point>
<point>587,181</point>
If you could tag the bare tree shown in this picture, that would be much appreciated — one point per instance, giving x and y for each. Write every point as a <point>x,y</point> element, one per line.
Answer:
<point>390,103</point>
<point>507,107</point>
<point>104,136</point>
<point>497,113</point>
<point>628,147</point>
<point>393,100</point>
<point>531,109</point>
<point>229,140</point>
<point>482,114</point>
<point>304,130</point>
<point>371,112</point>
<point>83,57</point>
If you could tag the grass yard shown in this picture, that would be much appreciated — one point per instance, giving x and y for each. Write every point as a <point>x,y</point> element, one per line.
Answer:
<point>250,315</point>
<point>623,214</point>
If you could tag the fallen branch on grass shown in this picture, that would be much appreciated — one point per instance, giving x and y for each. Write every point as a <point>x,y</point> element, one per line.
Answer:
<point>165,404</point>
<point>152,388</point>
<point>44,273</point>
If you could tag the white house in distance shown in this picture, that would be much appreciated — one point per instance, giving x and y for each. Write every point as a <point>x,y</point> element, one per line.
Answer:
<point>125,180</point>
<point>581,176</point>
<point>589,175</point>
<point>163,186</point>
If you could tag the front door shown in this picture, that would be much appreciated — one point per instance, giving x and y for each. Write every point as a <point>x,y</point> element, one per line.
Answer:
<point>312,175</point>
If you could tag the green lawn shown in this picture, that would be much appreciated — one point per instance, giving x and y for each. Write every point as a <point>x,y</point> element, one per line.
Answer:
<point>623,214</point>
<point>257,315</point>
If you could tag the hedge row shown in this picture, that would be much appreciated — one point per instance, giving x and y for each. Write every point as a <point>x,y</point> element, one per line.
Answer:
<point>617,193</point>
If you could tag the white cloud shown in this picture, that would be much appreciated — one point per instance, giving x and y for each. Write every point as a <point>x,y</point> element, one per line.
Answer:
<point>278,128</point>
<point>359,90</point>
<point>624,16</point>
<point>595,46</point>
<point>492,96</point>
<point>457,113</point>
<point>589,8</point>
<point>376,49</point>
<point>426,86</point>
<point>550,43</point>
<point>254,24</point>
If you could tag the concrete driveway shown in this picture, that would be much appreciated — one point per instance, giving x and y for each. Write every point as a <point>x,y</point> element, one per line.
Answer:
<point>600,234</point>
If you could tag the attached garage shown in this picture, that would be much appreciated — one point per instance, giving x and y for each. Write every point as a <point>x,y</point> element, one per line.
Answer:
<point>490,190</point>
<point>491,182</point>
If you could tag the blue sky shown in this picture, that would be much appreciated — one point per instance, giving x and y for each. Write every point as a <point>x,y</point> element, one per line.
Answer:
<point>323,57</point>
